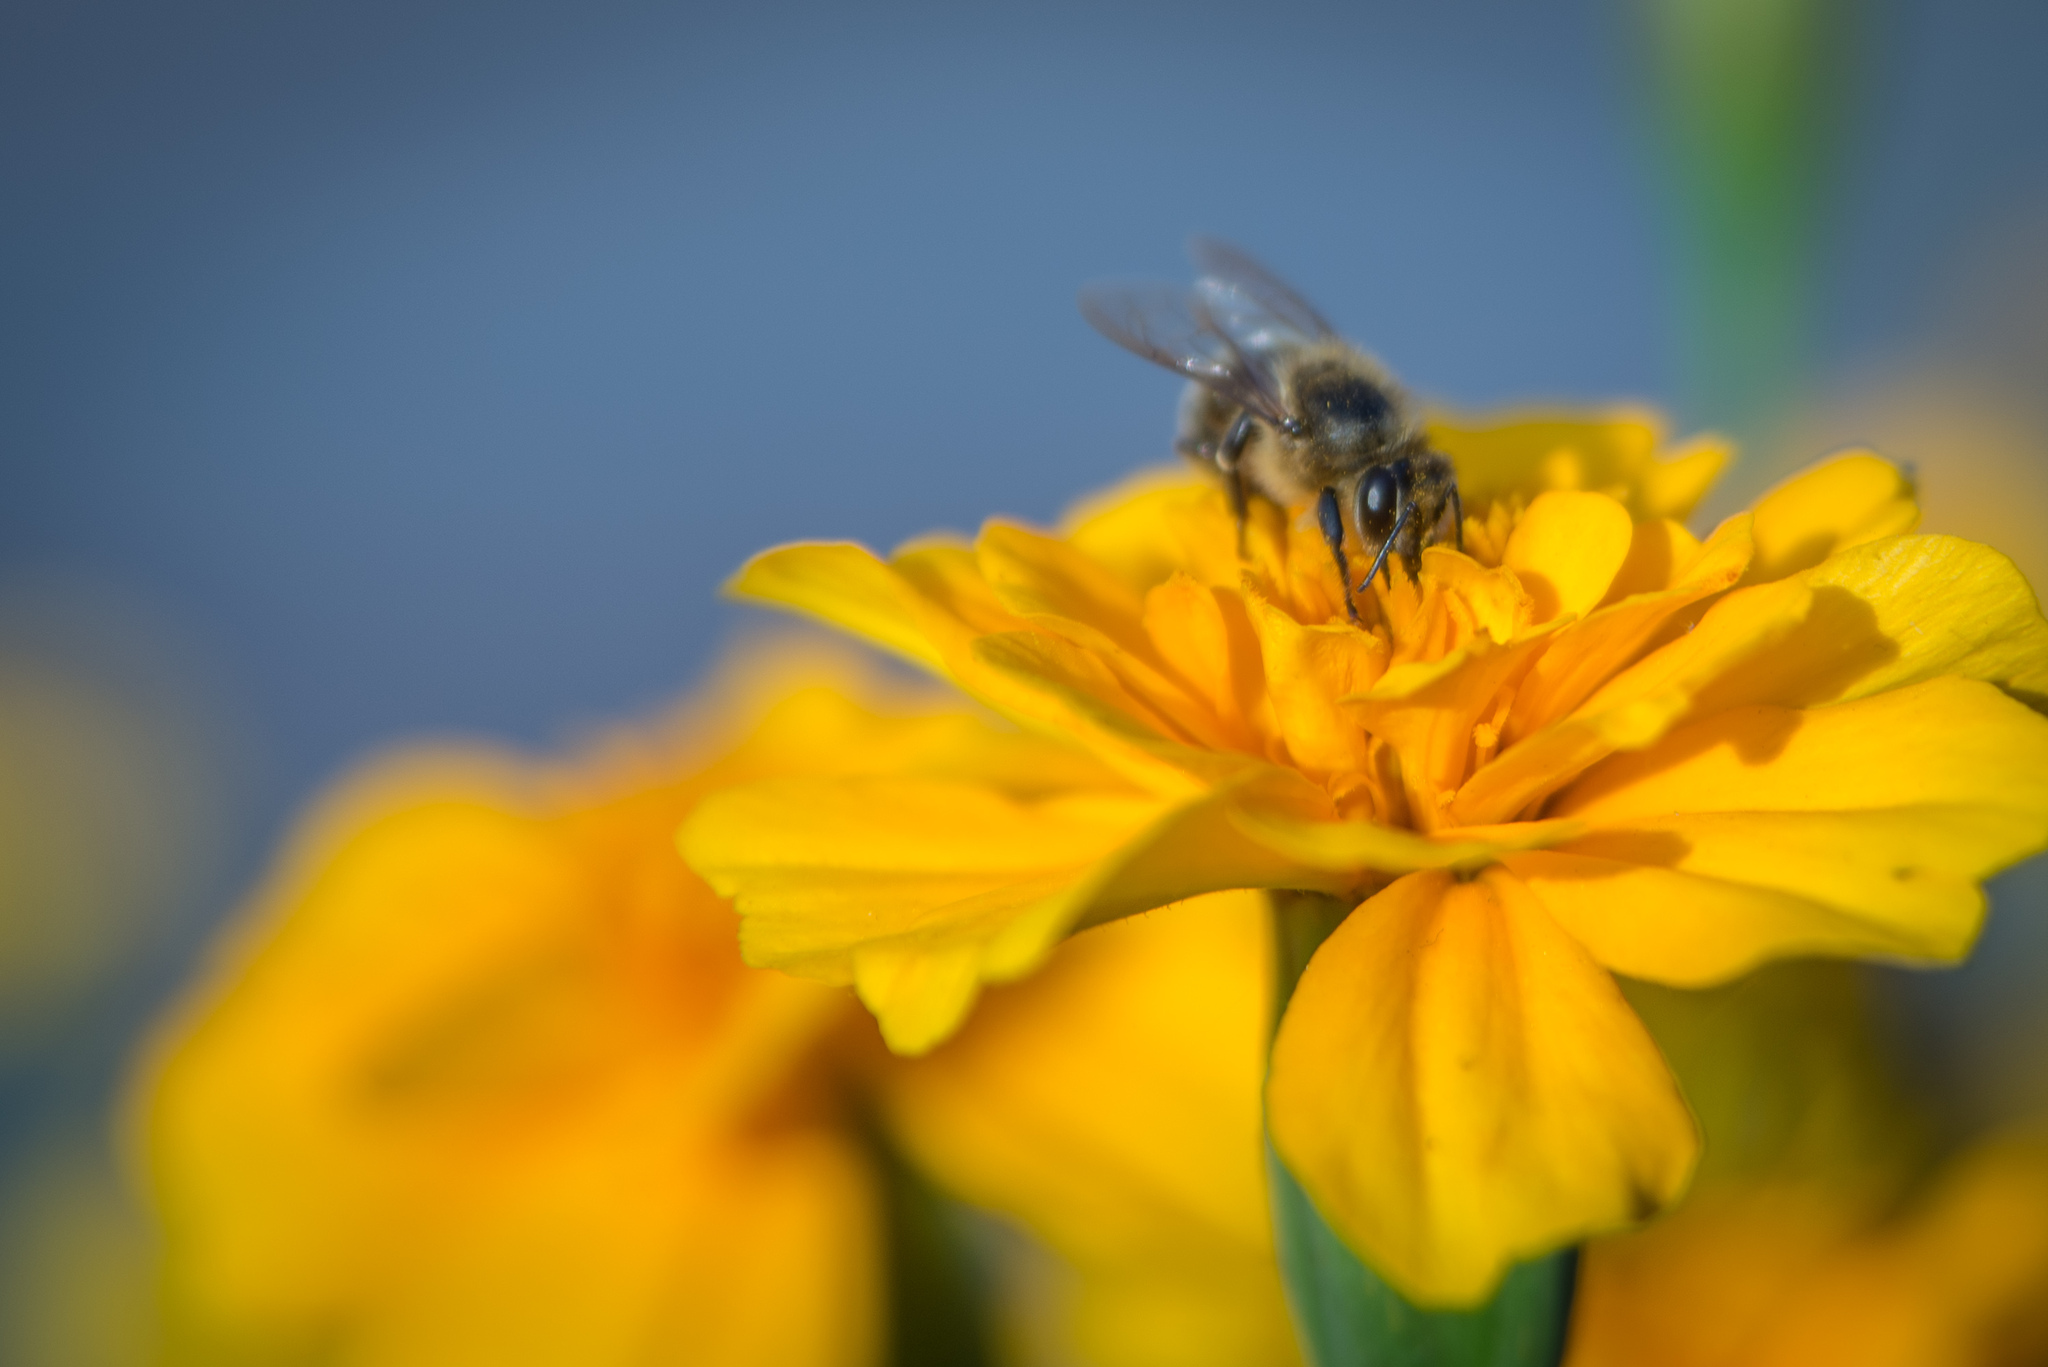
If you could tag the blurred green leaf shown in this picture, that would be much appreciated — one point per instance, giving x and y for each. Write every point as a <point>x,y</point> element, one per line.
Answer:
<point>939,1310</point>
<point>1751,99</point>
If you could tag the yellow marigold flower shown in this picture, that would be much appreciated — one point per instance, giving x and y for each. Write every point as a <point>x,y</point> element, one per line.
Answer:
<point>483,1079</point>
<point>1589,744</point>
<point>1789,1275</point>
<point>1111,1105</point>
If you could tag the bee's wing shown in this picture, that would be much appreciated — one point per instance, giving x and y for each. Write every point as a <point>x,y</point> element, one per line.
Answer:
<point>1179,330</point>
<point>1227,265</point>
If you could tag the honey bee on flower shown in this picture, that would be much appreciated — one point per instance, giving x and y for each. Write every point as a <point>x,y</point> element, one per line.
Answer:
<point>1279,406</point>
<point>1581,742</point>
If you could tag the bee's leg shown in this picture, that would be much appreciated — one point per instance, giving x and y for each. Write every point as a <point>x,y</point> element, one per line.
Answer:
<point>1229,457</point>
<point>1332,523</point>
<point>1412,526</point>
<point>1458,517</point>
<point>1393,535</point>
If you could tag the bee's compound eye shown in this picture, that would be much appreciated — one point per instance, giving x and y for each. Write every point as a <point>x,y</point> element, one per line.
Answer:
<point>1377,498</point>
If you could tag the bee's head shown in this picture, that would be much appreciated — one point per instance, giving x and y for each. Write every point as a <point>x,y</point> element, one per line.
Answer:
<point>1377,502</point>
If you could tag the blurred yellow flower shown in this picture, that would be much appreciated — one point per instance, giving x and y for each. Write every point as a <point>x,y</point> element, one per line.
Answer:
<point>483,1078</point>
<point>1591,743</point>
<point>1808,1275</point>
<point>1111,1105</point>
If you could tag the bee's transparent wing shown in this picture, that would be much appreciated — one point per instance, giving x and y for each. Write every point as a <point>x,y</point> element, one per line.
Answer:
<point>1182,331</point>
<point>1218,261</point>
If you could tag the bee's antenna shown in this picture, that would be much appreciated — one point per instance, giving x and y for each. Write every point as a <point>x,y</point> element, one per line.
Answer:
<point>1393,535</point>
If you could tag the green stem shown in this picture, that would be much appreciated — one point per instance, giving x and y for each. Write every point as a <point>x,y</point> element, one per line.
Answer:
<point>1345,1314</point>
<point>939,1305</point>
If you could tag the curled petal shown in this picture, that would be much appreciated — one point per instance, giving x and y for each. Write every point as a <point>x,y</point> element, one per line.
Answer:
<point>1658,550</point>
<point>1897,611</point>
<point>1458,1085</point>
<point>1862,828</point>
<point>1943,742</point>
<point>1566,550</point>
<point>1845,502</point>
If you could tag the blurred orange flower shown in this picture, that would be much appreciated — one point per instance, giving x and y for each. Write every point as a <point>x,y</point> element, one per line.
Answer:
<point>1592,743</point>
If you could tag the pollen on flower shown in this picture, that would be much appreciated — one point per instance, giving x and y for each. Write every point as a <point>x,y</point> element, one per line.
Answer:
<point>1446,667</point>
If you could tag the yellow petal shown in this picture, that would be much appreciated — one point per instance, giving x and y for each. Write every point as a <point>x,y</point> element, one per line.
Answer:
<point>845,586</point>
<point>1897,611</point>
<point>1460,600</point>
<point>1941,743</point>
<point>1198,847</point>
<point>1307,670</point>
<point>934,606</point>
<point>1672,487</point>
<point>1111,1105</point>
<point>918,891</point>
<point>1156,524</point>
<point>1427,714</point>
<point>1041,577</point>
<point>1862,828</point>
<point>1458,1085</point>
<point>1205,641</point>
<point>948,576</point>
<point>1849,500</point>
<point>904,887</point>
<point>1639,914</point>
<point>1657,551</point>
<point>1197,693</point>
<point>1615,453</point>
<point>1585,655</point>
<point>1352,846</point>
<point>1566,550</point>
<point>1637,706</point>
<point>1102,704</point>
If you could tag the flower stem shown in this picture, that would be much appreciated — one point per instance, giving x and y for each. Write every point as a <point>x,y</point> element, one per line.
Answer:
<point>1344,1313</point>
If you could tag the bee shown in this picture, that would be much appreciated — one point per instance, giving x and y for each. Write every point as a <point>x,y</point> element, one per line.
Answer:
<point>1282,408</point>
